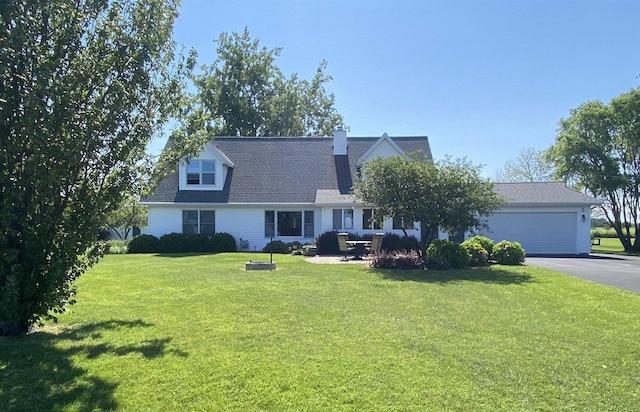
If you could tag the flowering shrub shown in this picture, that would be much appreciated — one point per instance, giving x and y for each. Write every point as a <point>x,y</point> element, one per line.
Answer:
<point>487,244</point>
<point>478,255</point>
<point>445,254</point>
<point>397,260</point>
<point>508,253</point>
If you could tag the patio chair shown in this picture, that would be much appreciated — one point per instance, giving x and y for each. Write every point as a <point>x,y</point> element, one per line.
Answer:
<point>376,243</point>
<point>342,243</point>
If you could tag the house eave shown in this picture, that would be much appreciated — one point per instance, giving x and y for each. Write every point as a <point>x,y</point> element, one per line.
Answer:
<point>225,204</point>
<point>551,204</point>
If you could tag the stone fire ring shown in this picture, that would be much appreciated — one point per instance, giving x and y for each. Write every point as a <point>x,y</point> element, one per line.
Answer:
<point>259,266</point>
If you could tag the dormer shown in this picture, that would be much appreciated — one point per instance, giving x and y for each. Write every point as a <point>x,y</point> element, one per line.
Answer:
<point>383,147</point>
<point>208,171</point>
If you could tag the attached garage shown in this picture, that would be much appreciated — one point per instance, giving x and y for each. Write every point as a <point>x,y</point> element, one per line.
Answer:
<point>545,218</point>
<point>537,232</point>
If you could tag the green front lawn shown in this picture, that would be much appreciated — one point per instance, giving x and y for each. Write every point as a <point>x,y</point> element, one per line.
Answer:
<point>200,333</point>
<point>610,246</point>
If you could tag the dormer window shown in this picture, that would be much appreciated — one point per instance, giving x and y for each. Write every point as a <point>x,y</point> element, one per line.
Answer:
<point>201,172</point>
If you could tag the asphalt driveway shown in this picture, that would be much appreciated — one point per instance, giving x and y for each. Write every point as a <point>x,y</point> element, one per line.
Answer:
<point>619,271</point>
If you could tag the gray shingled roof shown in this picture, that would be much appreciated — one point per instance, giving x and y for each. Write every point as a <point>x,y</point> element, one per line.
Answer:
<point>282,169</point>
<point>548,193</point>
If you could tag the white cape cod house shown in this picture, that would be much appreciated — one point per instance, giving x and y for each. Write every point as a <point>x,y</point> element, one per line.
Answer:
<point>296,188</point>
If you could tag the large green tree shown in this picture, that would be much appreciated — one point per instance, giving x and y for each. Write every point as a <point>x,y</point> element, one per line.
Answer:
<point>598,147</point>
<point>245,93</point>
<point>84,85</point>
<point>450,194</point>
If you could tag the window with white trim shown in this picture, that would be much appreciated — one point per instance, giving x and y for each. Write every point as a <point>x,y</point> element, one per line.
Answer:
<point>342,219</point>
<point>199,222</point>
<point>289,223</point>
<point>201,172</point>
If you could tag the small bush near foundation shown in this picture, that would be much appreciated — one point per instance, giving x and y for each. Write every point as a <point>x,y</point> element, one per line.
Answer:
<point>508,253</point>
<point>478,256</point>
<point>276,246</point>
<point>405,259</point>
<point>445,254</point>
<point>392,242</point>
<point>328,243</point>
<point>144,244</point>
<point>221,242</point>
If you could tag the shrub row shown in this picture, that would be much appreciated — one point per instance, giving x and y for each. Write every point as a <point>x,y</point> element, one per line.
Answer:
<point>477,251</point>
<point>181,243</point>
<point>446,254</point>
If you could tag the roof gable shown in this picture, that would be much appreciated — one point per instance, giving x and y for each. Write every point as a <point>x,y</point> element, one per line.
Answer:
<point>383,147</point>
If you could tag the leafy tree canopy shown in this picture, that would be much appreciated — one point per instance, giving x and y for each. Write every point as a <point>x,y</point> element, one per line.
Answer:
<point>84,85</point>
<point>450,194</point>
<point>244,93</point>
<point>598,146</point>
<point>530,165</point>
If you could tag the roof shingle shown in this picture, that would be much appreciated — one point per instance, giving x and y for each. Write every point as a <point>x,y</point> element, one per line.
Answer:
<point>282,169</point>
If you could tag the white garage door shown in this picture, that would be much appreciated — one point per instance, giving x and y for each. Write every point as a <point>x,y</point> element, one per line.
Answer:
<point>538,233</point>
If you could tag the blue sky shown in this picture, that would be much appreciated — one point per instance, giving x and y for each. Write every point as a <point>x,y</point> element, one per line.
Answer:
<point>482,79</point>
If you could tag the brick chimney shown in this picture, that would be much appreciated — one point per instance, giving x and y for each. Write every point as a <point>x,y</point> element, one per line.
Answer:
<point>339,141</point>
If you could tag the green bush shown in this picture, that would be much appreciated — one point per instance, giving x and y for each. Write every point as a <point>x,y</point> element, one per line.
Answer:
<point>394,242</point>
<point>276,246</point>
<point>221,242</point>
<point>508,253</point>
<point>328,243</point>
<point>144,244</point>
<point>180,243</point>
<point>487,244</point>
<point>478,255</point>
<point>445,254</point>
<point>404,259</point>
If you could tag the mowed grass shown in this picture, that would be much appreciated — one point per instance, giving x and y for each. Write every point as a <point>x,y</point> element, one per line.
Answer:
<point>610,246</point>
<point>199,332</point>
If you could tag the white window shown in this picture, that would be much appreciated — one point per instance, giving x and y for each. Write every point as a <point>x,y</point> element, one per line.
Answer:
<point>198,222</point>
<point>286,223</point>
<point>342,219</point>
<point>201,172</point>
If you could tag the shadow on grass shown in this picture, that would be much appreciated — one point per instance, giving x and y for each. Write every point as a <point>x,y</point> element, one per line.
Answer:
<point>37,371</point>
<point>485,275</point>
